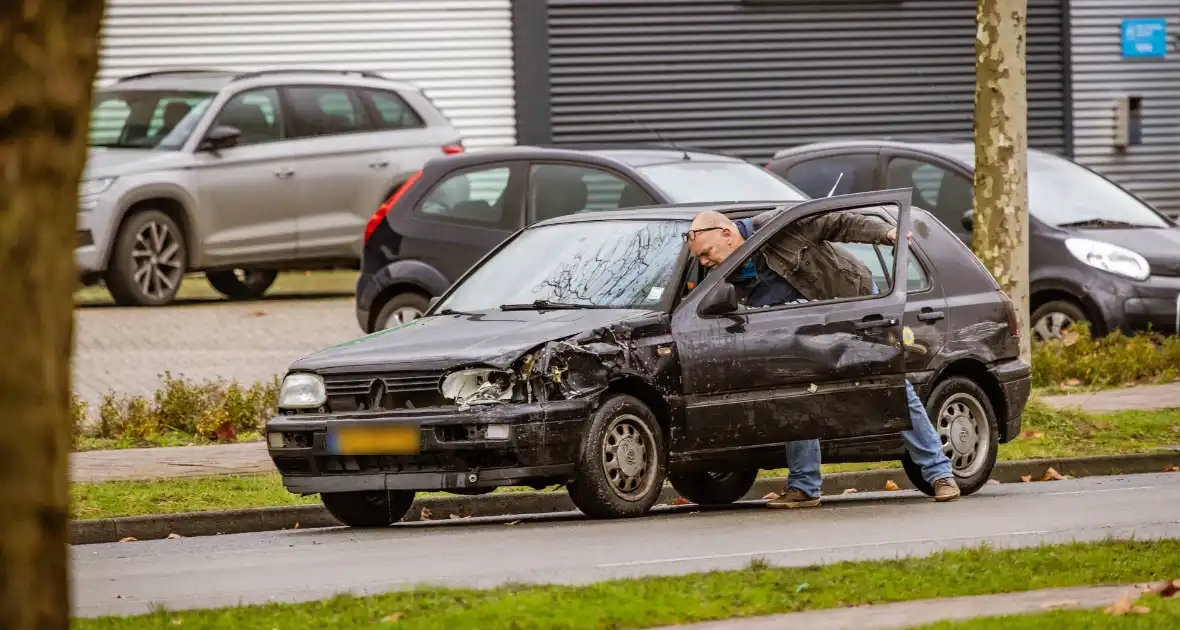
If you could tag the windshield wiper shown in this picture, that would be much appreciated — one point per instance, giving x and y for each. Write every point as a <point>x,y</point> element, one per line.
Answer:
<point>546,305</point>
<point>451,311</point>
<point>1101,223</point>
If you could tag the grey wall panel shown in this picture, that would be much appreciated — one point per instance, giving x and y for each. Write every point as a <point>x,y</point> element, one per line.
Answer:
<point>750,80</point>
<point>1101,74</point>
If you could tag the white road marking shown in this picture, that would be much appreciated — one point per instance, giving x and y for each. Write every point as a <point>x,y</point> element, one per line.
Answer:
<point>771,552</point>
<point>1057,494</point>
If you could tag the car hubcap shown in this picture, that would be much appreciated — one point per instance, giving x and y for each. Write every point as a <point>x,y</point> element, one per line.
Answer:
<point>1051,325</point>
<point>402,315</point>
<point>628,449</point>
<point>156,260</point>
<point>962,427</point>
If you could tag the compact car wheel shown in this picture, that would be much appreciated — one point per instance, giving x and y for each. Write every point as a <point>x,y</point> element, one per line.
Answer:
<point>963,416</point>
<point>148,260</point>
<point>622,466</point>
<point>371,508</point>
<point>1053,318</point>
<point>403,308</point>
<point>242,284</point>
<point>713,488</point>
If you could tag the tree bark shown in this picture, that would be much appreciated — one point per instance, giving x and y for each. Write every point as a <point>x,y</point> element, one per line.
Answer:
<point>48,60</point>
<point>1000,232</point>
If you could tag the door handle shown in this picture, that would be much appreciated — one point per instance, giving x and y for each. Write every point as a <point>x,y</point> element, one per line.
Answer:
<point>284,173</point>
<point>930,315</point>
<point>875,321</point>
<point>379,164</point>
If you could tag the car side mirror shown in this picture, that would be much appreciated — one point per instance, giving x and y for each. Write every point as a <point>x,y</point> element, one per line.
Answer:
<point>720,301</point>
<point>220,137</point>
<point>969,220</point>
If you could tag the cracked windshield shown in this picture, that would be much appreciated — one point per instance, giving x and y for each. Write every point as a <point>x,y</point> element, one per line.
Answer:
<point>604,264</point>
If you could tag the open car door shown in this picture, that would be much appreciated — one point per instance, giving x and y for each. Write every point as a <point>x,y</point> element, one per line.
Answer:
<point>754,377</point>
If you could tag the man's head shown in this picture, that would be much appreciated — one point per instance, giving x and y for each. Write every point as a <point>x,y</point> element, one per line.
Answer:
<point>713,237</point>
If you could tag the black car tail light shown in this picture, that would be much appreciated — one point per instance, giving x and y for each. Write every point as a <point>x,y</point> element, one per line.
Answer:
<point>384,209</point>
<point>1010,309</point>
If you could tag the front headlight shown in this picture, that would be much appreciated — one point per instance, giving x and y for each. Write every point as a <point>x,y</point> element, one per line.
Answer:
<point>97,186</point>
<point>1112,258</point>
<point>477,385</point>
<point>302,391</point>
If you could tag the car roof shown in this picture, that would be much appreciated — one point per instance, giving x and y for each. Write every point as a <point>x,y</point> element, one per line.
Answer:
<point>214,80</point>
<point>962,152</point>
<point>630,155</point>
<point>670,212</point>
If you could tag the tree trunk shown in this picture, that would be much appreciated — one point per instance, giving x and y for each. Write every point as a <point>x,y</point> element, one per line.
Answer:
<point>48,59</point>
<point>1000,232</point>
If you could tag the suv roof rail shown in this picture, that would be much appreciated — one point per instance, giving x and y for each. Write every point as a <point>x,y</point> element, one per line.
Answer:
<point>259,73</point>
<point>156,73</point>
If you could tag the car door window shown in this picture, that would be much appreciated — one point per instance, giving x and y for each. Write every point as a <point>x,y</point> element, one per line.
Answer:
<point>846,173</point>
<point>559,189</point>
<point>324,111</point>
<point>256,114</point>
<point>472,196</point>
<point>946,194</point>
<point>392,111</point>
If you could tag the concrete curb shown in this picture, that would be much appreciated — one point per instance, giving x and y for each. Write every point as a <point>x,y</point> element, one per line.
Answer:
<point>156,526</point>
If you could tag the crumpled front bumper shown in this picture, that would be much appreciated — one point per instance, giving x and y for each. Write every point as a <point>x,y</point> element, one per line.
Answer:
<point>542,443</point>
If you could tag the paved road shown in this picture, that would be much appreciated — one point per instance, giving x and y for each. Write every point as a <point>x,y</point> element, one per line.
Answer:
<point>124,578</point>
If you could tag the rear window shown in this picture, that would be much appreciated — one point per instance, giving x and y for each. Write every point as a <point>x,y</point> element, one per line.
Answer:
<point>715,181</point>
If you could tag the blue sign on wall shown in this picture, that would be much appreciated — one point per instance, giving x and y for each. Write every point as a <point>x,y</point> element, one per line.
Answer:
<point>1145,37</point>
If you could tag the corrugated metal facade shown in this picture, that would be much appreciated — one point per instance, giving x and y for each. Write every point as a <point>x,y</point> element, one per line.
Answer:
<point>1100,75</point>
<point>458,51</point>
<point>750,79</point>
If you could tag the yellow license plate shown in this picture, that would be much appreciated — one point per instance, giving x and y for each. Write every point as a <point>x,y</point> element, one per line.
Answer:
<point>377,440</point>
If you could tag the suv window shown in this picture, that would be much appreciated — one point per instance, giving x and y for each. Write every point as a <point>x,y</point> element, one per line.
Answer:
<point>854,172</point>
<point>947,194</point>
<point>392,111</point>
<point>256,114</point>
<point>556,190</point>
<point>474,196</point>
<point>146,119</point>
<point>324,111</point>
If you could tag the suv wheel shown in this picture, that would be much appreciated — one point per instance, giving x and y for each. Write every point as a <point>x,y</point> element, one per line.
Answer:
<point>1053,318</point>
<point>621,470</point>
<point>371,508</point>
<point>242,284</point>
<point>713,488</point>
<point>148,261</point>
<point>403,308</point>
<point>963,416</point>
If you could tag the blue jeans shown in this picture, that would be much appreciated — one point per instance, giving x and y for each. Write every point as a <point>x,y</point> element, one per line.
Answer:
<point>921,441</point>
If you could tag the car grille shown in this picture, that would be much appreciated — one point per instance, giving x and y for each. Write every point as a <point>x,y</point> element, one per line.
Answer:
<point>403,390</point>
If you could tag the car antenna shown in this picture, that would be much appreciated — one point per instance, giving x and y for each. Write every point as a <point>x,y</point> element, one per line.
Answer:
<point>657,134</point>
<point>833,190</point>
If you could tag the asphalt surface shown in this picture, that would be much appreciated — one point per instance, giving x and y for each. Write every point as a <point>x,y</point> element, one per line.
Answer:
<point>295,565</point>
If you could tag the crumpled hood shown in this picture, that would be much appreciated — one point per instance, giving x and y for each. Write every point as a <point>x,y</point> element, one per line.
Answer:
<point>443,341</point>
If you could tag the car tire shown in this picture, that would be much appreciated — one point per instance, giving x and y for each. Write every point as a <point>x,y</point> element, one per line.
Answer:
<point>149,253</point>
<point>403,308</point>
<point>622,466</point>
<point>960,409</point>
<point>370,508</point>
<point>1051,318</point>
<point>710,488</point>
<point>250,284</point>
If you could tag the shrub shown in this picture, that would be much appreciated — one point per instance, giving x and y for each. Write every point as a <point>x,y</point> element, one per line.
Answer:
<point>1113,360</point>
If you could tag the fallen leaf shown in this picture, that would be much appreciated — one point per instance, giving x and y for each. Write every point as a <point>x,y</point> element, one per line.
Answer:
<point>118,597</point>
<point>174,536</point>
<point>296,524</point>
<point>1121,607</point>
<point>889,485</point>
<point>680,501</point>
<point>1053,474</point>
<point>1026,478</point>
<point>772,496</point>
<point>1032,435</point>
<point>993,482</point>
<point>392,618</point>
<point>1172,469</point>
<point>849,491</point>
<point>226,432</point>
<point>1061,604</point>
<point>258,314</point>
<point>128,539</point>
<point>1073,382</point>
<point>512,523</point>
<point>425,514</point>
<point>454,516</point>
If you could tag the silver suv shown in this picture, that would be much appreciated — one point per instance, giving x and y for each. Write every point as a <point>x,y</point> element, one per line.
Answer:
<point>242,175</point>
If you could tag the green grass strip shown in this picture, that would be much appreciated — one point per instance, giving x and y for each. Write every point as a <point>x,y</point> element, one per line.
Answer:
<point>1165,613</point>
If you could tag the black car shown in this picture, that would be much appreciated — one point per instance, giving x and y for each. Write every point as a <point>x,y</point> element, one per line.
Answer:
<point>1097,253</point>
<point>458,208</point>
<point>593,350</point>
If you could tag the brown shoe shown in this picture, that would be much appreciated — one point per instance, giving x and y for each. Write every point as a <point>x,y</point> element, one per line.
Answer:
<point>946,489</point>
<point>793,498</point>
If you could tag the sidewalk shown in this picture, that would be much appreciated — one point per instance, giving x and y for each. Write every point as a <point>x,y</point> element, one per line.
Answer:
<point>191,461</point>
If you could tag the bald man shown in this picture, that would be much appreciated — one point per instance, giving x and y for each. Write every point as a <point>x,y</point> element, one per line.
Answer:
<point>800,264</point>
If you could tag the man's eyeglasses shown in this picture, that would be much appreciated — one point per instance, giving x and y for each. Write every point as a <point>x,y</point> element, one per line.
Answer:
<point>691,234</point>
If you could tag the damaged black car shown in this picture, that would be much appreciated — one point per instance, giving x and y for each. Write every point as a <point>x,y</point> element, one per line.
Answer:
<point>593,351</point>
